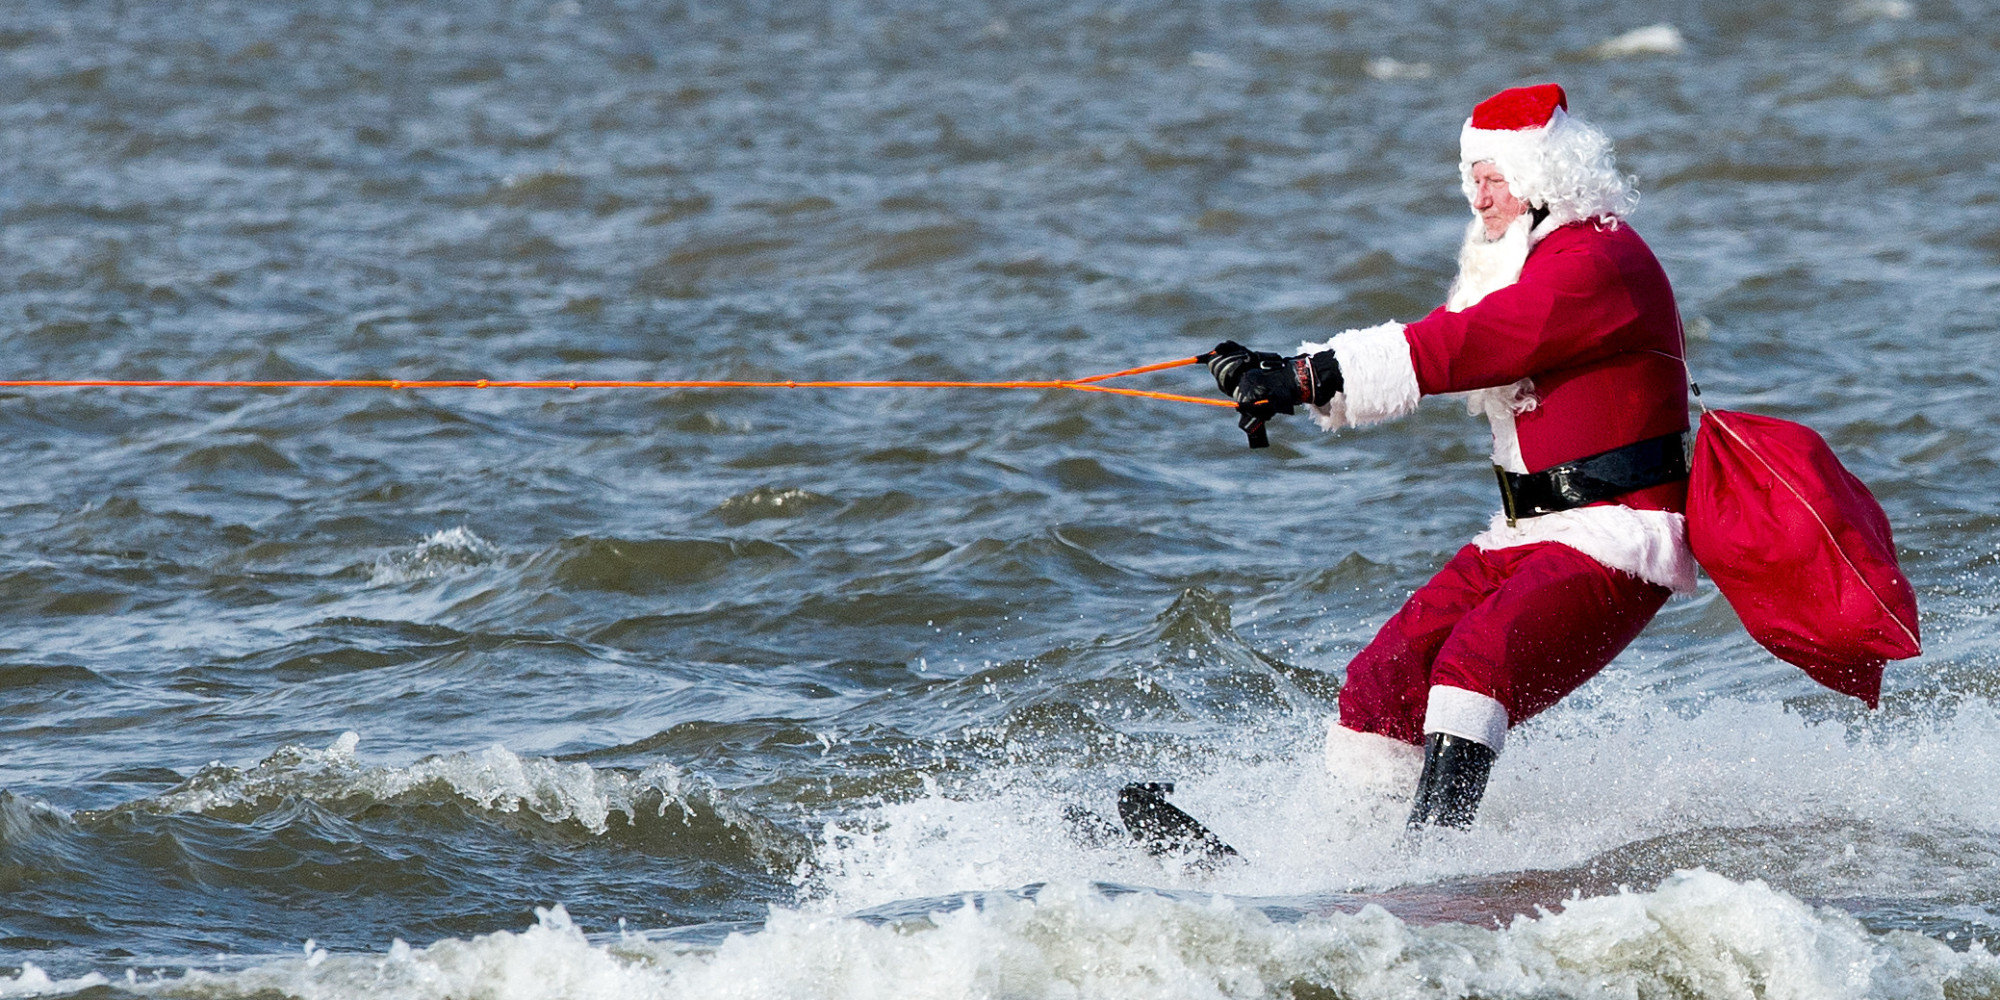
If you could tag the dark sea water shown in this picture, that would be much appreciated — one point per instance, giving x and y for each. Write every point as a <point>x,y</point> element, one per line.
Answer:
<point>784,693</point>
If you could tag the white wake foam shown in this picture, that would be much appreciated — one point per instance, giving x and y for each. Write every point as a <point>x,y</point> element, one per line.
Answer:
<point>1571,786</point>
<point>1697,935</point>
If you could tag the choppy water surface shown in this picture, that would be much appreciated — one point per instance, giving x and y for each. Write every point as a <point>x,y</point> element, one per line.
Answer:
<point>784,693</point>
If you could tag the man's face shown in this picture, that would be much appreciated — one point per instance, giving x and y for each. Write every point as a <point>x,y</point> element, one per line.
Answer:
<point>1497,206</point>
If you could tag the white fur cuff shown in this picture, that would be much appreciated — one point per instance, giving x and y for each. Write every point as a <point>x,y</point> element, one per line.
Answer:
<point>1467,715</point>
<point>1379,377</point>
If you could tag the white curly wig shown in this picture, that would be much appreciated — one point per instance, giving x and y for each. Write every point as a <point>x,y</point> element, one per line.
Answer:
<point>1565,166</point>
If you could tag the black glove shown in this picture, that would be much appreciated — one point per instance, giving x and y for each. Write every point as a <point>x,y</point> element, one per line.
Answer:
<point>1230,359</point>
<point>1313,378</point>
<point>1265,384</point>
<point>1264,392</point>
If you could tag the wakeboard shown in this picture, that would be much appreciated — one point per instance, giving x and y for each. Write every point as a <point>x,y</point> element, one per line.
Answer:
<point>1156,825</point>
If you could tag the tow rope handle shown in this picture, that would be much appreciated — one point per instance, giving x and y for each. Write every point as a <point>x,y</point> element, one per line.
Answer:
<point>1252,427</point>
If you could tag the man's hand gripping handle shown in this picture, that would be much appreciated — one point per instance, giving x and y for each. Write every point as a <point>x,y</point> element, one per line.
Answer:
<point>1265,384</point>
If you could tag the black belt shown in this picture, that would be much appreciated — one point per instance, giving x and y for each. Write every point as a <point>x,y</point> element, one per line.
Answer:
<point>1587,480</point>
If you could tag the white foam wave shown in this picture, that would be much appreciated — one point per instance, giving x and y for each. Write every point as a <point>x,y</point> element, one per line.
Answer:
<point>1652,40</point>
<point>33,982</point>
<point>495,779</point>
<point>1877,10</point>
<point>551,959</point>
<point>451,550</point>
<point>1386,68</point>
<point>1697,935</point>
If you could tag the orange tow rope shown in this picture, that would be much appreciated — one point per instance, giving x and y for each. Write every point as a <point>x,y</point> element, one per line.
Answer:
<point>1087,384</point>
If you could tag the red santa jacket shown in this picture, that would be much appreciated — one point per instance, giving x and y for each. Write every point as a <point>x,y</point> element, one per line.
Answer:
<point>1579,355</point>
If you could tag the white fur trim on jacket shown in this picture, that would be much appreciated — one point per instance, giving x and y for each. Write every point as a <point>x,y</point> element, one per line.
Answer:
<point>1500,405</point>
<point>1649,544</point>
<point>1380,379</point>
<point>1467,715</point>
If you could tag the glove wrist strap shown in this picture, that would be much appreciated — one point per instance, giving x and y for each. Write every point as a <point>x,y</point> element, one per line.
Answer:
<point>1319,377</point>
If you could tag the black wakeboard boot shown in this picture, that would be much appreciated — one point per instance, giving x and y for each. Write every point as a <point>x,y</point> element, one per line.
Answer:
<point>1453,782</point>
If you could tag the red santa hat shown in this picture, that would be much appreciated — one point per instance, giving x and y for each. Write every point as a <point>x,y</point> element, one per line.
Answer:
<point>1511,129</point>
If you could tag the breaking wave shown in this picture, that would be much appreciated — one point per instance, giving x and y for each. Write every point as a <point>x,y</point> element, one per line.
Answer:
<point>1697,935</point>
<point>443,552</point>
<point>494,780</point>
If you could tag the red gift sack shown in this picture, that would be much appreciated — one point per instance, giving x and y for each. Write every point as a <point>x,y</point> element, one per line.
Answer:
<point>1801,550</point>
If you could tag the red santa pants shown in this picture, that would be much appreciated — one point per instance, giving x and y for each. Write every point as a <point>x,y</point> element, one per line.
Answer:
<point>1523,626</point>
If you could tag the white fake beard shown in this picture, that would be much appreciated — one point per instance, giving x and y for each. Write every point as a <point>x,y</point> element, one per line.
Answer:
<point>1486,266</point>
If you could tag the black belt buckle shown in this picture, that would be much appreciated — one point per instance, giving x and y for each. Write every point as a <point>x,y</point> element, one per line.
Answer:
<point>1507,496</point>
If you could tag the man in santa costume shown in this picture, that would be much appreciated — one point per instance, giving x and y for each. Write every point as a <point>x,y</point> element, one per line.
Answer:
<point>1561,330</point>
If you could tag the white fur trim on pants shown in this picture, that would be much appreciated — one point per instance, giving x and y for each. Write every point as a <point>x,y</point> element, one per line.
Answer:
<point>1368,762</point>
<point>1467,715</point>
<point>1649,544</point>
<point>1380,380</point>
